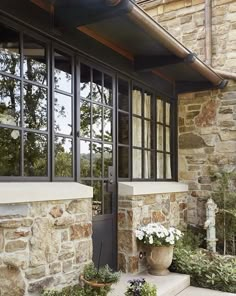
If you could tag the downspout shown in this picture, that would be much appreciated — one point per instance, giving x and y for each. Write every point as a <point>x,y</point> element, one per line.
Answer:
<point>208,29</point>
<point>208,44</point>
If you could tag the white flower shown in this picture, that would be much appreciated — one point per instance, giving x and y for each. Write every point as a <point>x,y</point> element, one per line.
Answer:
<point>150,240</point>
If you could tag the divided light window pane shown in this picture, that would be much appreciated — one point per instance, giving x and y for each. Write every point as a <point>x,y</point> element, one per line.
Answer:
<point>123,127</point>
<point>137,101</point>
<point>35,107</point>
<point>85,159</point>
<point>9,51</point>
<point>160,111</point>
<point>10,151</point>
<point>62,114</point>
<point>10,101</point>
<point>35,63</point>
<point>147,105</point>
<point>137,163</point>
<point>85,119</point>
<point>62,72</point>
<point>107,90</point>
<point>63,157</point>
<point>123,162</point>
<point>35,154</point>
<point>137,132</point>
<point>85,82</point>
<point>123,95</point>
<point>97,86</point>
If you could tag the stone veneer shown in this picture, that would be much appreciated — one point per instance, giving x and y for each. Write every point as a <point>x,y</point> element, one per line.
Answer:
<point>43,244</point>
<point>169,209</point>
<point>207,120</point>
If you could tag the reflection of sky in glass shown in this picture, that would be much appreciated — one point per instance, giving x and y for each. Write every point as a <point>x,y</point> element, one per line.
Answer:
<point>9,101</point>
<point>85,90</point>
<point>62,114</point>
<point>62,80</point>
<point>64,143</point>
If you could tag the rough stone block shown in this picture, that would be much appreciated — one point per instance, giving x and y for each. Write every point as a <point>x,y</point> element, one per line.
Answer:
<point>35,273</point>
<point>13,223</point>
<point>133,264</point>
<point>16,260</point>
<point>11,282</point>
<point>13,211</point>
<point>79,231</point>
<point>55,267</point>
<point>67,266</point>
<point>15,245</point>
<point>83,251</point>
<point>56,212</point>
<point>38,286</point>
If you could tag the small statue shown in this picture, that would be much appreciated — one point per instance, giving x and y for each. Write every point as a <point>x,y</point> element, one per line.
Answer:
<point>209,225</point>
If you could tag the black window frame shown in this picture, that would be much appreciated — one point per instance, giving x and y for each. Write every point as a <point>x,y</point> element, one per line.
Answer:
<point>51,43</point>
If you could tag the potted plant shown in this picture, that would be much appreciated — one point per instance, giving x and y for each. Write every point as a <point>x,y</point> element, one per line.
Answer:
<point>139,287</point>
<point>99,280</point>
<point>159,242</point>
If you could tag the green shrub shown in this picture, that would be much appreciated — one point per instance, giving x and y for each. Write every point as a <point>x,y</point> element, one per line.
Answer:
<point>68,291</point>
<point>102,275</point>
<point>206,270</point>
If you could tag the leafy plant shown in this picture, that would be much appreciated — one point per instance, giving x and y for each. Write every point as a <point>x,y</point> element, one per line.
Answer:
<point>68,291</point>
<point>206,270</point>
<point>225,198</point>
<point>139,287</point>
<point>102,275</point>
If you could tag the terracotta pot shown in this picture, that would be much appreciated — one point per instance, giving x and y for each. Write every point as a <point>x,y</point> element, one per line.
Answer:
<point>94,284</point>
<point>159,259</point>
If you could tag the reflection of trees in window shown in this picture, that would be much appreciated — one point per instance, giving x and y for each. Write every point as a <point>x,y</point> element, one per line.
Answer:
<point>35,154</point>
<point>9,152</point>
<point>63,157</point>
<point>35,107</point>
<point>9,101</point>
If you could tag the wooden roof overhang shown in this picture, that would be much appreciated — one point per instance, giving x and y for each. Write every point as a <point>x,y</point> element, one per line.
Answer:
<point>125,28</point>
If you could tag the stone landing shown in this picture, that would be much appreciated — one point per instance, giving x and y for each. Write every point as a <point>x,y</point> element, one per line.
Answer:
<point>169,285</point>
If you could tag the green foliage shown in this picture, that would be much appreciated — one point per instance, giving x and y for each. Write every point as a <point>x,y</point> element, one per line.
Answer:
<point>206,270</point>
<point>68,291</point>
<point>190,240</point>
<point>139,287</point>
<point>78,291</point>
<point>103,275</point>
<point>225,198</point>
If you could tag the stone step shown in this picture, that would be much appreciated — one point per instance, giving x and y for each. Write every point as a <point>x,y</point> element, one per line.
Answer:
<point>169,285</point>
<point>193,291</point>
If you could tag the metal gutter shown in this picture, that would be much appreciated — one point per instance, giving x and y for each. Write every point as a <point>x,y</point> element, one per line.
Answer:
<point>143,20</point>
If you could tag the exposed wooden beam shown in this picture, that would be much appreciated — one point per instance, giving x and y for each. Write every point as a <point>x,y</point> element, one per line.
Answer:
<point>147,63</point>
<point>106,42</point>
<point>44,4</point>
<point>190,86</point>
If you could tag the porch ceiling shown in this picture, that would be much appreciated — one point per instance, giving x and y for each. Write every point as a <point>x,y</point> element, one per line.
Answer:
<point>127,29</point>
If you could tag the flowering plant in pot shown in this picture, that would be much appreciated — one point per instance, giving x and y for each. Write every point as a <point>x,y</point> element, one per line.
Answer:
<point>99,280</point>
<point>159,242</point>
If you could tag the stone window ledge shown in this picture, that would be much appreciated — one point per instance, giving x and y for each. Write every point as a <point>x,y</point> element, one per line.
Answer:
<point>13,192</point>
<point>143,188</point>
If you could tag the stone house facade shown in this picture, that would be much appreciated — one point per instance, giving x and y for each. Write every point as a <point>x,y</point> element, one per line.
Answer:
<point>207,120</point>
<point>88,137</point>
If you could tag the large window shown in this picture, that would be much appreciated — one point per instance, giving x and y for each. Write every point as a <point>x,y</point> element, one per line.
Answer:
<point>59,123</point>
<point>27,112</point>
<point>152,136</point>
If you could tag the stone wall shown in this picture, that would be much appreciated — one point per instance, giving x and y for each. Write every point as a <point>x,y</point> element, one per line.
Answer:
<point>43,244</point>
<point>207,120</point>
<point>169,209</point>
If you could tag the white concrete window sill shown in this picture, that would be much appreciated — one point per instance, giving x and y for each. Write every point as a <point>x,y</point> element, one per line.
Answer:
<point>13,192</point>
<point>143,188</point>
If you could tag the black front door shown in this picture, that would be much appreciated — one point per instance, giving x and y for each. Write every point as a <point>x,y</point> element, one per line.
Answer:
<point>97,157</point>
